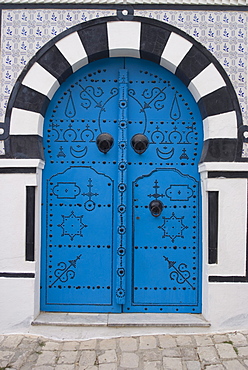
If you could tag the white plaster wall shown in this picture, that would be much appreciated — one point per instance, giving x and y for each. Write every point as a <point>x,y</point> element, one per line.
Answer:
<point>19,298</point>
<point>232,226</point>
<point>225,304</point>
<point>228,309</point>
<point>13,221</point>
<point>16,305</point>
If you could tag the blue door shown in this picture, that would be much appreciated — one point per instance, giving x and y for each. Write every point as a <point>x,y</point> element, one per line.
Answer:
<point>121,228</point>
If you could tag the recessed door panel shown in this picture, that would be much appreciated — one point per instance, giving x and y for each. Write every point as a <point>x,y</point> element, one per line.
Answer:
<point>81,203</point>
<point>79,196</point>
<point>121,196</point>
<point>165,247</point>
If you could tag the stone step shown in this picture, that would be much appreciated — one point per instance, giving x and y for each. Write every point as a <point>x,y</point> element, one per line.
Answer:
<point>121,320</point>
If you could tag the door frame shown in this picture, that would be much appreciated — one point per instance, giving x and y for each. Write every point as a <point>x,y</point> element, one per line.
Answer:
<point>137,37</point>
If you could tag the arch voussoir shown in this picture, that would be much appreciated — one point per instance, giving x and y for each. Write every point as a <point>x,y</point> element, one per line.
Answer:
<point>136,37</point>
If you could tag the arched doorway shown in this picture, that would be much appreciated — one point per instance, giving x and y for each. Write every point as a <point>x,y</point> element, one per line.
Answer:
<point>138,37</point>
<point>121,197</point>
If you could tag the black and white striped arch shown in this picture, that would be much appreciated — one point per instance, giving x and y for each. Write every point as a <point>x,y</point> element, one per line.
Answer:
<point>111,37</point>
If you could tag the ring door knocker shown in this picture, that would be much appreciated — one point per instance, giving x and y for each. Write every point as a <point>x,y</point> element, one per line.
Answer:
<point>156,207</point>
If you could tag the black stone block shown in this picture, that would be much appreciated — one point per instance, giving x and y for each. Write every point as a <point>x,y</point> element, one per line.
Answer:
<point>55,63</point>
<point>219,150</point>
<point>95,41</point>
<point>191,65</point>
<point>24,146</point>
<point>217,102</point>
<point>152,42</point>
<point>29,99</point>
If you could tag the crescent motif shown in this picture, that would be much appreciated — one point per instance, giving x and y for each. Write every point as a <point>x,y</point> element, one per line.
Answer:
<point>165,155</point>
<point>78,153</point>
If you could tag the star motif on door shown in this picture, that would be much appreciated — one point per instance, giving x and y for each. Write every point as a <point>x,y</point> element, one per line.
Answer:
<point>72,225</point>
<point>173,227</point>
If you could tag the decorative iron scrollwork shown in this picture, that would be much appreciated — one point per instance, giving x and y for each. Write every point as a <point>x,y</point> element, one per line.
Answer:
<point>173,227</point>
<point>72,225</point>
<point>64,272</point>
<point>180,273</point>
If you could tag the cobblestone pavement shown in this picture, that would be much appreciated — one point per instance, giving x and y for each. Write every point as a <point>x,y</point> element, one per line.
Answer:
<point>175,352</point>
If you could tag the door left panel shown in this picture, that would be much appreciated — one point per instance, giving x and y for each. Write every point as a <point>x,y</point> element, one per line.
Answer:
<point>78,246</point>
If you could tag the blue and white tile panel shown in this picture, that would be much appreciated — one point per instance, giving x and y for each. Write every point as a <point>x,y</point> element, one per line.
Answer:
<point>122,39</point>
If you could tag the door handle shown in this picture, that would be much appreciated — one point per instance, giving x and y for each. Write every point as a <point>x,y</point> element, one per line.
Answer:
<point>156,207</point>
<point>139,143</point>
<point>104,142</point>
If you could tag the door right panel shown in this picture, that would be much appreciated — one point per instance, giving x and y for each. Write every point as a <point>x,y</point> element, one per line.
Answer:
<point>164,257</point>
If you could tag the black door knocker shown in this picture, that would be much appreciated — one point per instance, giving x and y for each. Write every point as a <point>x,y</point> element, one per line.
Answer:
<point>156,207</point>
<point>104,142</point>
<point>139,143</point>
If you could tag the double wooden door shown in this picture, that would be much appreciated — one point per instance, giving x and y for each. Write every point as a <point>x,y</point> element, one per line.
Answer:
<point>121,218</point>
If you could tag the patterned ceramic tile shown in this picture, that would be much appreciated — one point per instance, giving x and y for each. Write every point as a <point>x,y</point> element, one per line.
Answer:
<point>223,33</point>
<point>26,31</point>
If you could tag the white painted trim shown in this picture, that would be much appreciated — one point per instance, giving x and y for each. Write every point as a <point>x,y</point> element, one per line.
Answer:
<point>206,82</point>
<point>13,222</point>
<point>231,226</point>
<point>24,122</point>
<point>175,50</point>
<point>37,241</point>
<point>72,49</point>
<point>39,79</point>
<point>223,166</point>
<point>6,162</point>
<point>124,39</point>
<point>205,284</point>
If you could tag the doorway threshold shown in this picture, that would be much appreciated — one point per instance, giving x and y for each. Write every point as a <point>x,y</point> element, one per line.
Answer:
<point>121,320</point>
